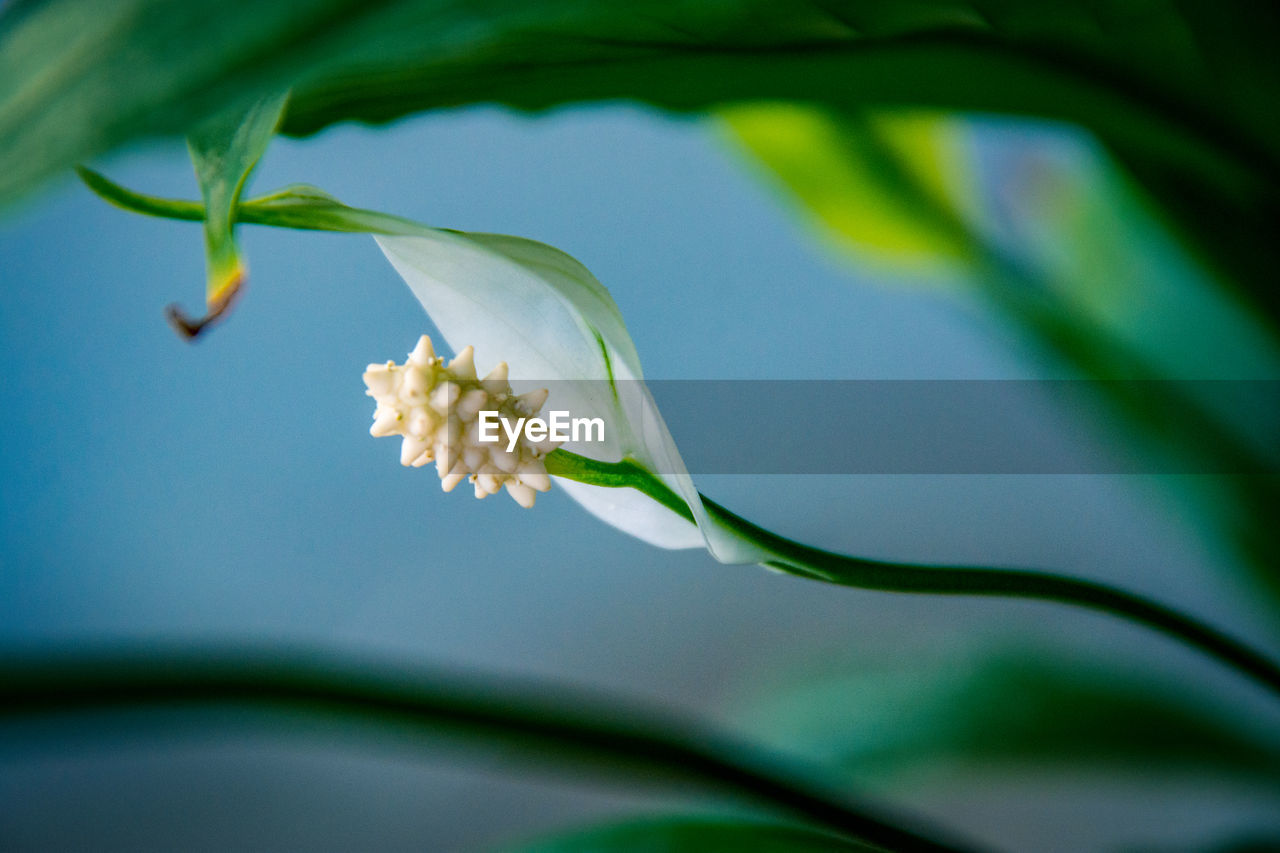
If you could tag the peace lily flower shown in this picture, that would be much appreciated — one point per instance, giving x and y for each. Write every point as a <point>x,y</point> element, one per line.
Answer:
<point>543,313</point>
<point>549,318</point>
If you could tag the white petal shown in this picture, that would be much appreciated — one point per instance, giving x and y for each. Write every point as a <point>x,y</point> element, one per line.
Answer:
<point>523,301</point>
<point>634,513</point>
<point>547,316</point>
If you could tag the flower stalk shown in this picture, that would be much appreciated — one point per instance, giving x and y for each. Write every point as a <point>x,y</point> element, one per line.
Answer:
<point>804,561</point>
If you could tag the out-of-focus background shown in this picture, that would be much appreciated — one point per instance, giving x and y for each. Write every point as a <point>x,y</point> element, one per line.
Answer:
<point>229,490</point>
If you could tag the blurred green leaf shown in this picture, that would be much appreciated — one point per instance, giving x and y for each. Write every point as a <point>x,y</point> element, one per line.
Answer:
<point>890,186</point>
<point>691,835</point>
<point>1014,709</point>
<point>1078,267</point>
<point>224,151</point>
<point>1184,91</point>
<point>541,723</point>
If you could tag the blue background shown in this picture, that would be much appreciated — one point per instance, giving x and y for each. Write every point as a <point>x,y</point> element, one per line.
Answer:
<point>229,490</point>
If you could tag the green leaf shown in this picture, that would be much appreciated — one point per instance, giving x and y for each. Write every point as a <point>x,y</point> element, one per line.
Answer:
<point>889,186</point>
<point>535,722</point>
<point>224,151</point>
<point>1009,709</point>
<point>691,835</point>
<point>1183,91</point>
<point>1086,277</point>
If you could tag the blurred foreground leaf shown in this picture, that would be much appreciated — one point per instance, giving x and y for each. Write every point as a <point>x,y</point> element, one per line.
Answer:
<point>891,186</point>
<point>1015,709</point>
<point>686,835</point>
<point>1183,92</point>
<point>1070,257</point>
<point>539,723</point>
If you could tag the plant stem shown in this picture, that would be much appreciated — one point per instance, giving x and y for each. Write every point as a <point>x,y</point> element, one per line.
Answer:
<point>536,719</point>
<point>817,564</point>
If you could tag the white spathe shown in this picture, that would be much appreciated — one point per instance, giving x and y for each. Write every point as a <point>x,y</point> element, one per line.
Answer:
<point>544,314</point>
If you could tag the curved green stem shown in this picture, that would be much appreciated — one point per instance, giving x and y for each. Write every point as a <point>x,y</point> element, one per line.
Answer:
<point>535,719</point>
<point>300,208</point>
<point>136,202</point>
<point>817,564</point>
